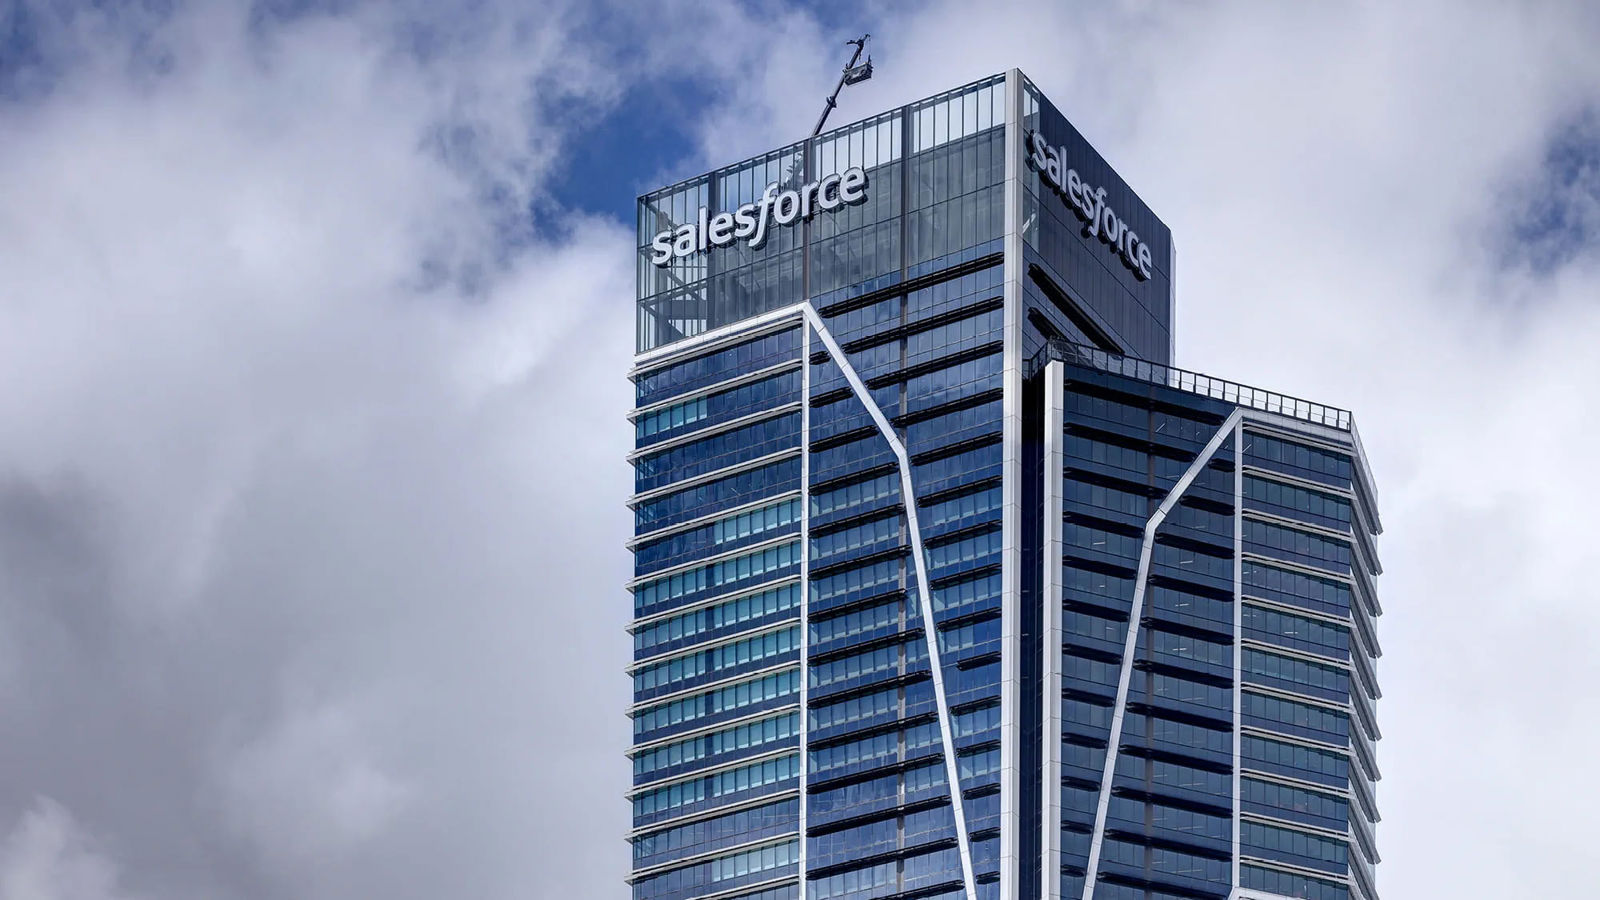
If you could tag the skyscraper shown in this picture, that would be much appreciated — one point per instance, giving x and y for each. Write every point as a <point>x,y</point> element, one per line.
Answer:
<point>948,583</point>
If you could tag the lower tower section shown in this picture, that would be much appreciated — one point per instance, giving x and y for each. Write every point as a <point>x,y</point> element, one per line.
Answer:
<point>1209,642</point>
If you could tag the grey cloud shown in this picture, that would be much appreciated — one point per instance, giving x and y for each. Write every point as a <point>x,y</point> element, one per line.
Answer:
<point>48,857</point>
<point>311,492</point>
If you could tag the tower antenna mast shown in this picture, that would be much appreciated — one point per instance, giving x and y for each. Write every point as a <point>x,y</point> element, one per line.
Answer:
<point>853,74</point>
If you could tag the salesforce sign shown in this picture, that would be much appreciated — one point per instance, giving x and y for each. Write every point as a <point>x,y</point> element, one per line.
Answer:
<point>1089,202</point>
<point>750,220</point>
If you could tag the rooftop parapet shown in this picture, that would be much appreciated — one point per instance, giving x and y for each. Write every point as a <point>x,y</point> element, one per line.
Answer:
<point>1215,388</point>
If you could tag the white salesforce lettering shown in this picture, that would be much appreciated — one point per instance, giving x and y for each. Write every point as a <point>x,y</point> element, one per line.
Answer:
<point>1100,221</point>
<point>783,207</point>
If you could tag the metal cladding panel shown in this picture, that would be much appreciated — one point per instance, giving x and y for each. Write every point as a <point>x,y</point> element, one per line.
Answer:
<point>1134,313</point>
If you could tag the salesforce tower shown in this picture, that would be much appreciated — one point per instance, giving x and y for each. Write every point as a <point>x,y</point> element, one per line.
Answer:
<point>948,582</point>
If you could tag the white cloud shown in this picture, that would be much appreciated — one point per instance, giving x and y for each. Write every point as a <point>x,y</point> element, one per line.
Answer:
<point>310,473</point>
<point>47,856</point>
<point>311,484</point>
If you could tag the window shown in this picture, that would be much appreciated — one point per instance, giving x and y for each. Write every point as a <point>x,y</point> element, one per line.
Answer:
<point>734,696</point>
<point>1333,467</point>
<point>675,416</point>
<point>855,536</point>
<point>758,860</point>
<point>973,593</point>
<point>1296,588</point>
<point>731,781</point>
<point>1298,632</point>
<point>1298,715</point>
<point>667,674</point>
<point>1302,546</point>
<point>859,621</point>
<point>1327,508</point>
<point>871,662</point>
<point>873,575</point>
<point>659,384</point>
<point>1291,885</point>
<point>1324,678</point>
<point>651,595</point>
<point>688,625</point>
<point>1322,765</point>
<point>744,487</point>
<point>963,507</point>
<point>855,494</point>
<point>1294,799</point>
<point>1185,646</point>
<point>1270,840</point>
<point>739,737</point>
<point>716,451</point>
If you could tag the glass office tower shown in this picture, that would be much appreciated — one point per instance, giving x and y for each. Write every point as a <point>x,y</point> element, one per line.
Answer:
<point>947,583</point>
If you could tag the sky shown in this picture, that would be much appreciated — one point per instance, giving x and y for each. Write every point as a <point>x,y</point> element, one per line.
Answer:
<point>314,319</point>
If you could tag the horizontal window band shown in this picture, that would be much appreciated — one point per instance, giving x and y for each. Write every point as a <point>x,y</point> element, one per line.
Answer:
<point>1251,687</point>
<point>709,855</point>
<point>945,581</point>
<point>821,445</point>
<point>1292,825</point>
<point>715,644</point>
<point>1144,402</point>
<point>910,285</point>
<point>914,633</point>
<point>1141,445</point>
<point>972,618</point>
<point>855,606</point>
<point>718,769</point>
<point>636,708</point>
<point>867,862</point>
<point>864,475</point>
<point>960,490</point>
<point>888,379</point>
<point>949,450</point>
<point>1249,643</point>
<point>864,690</point>
<point>1295,481</point>
<point>1075,312</point>
<point>1297,524</point>
<point>818,573</point>
<point>935,365</point>
<point>876,730</point>
<point>882,815</point>
<point>757,716</point>
<point>1283,738</point>
<point>715,812</point>
<point>667,490</point>
<point>748,890</point>
<point>955,537</point>
<point>1301,568</point>
<point>1141,795</point>
<point>1265,430</point>
<point>739,380</point>
<point>724,556</point>
<point>1279,606</point>
<point>918,326</point>
<point>875,514</point>
<point>1291,782</point>
<point>718,600</point>
<point>650,537</point>
<point>1291,868</point>
<point>714,430</point>
<point>734,333</point>
<point>1182,717</point>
